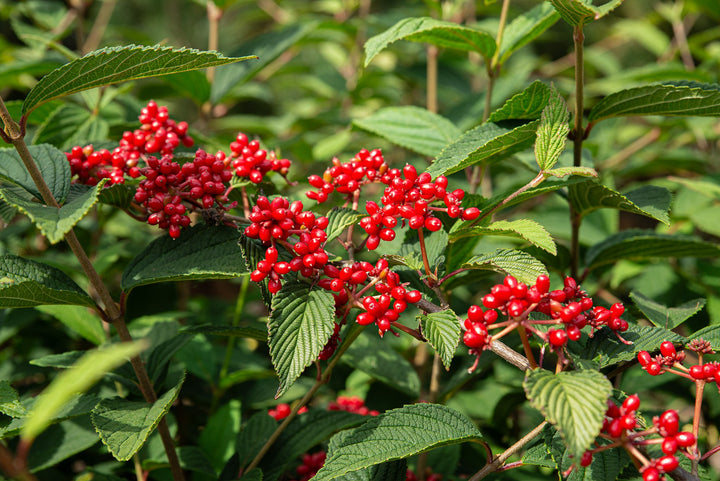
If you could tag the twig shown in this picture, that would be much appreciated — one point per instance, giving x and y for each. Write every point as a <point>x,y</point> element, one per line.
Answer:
<point>98,29</point>
<point>505,455</point>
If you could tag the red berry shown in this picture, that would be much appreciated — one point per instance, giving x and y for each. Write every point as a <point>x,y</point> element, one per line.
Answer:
<point>669,445</point>
<point>586,459</point>
<point>651,474</point>
<point>631,403</point>
<point>667,349</point>
<point>669,422</point>
<point>644,358</point>
<point>667,463</point>
<point>433,224</point>
<point>557,337</point>
<point>685,439</point>
<point>697,372</point>
<point>653,368</point>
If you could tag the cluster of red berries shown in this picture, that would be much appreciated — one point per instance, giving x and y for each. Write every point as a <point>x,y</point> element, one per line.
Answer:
<point>347,178</point>
<point>157,134</point>
<point>670,358</point>
<point>311,464</point>
<point>351,404</point>
<point>252,162</point>
<point>91,166</point>
<point>329,349</point>
<point>282,410</point>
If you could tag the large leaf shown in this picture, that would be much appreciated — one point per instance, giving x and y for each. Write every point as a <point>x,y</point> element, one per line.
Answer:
<point>396,434</point>
<point>433,31</point>
<point>71,125</point>
<point>527,105</point>
<point>26,283</point>
<point>687,98</point>
<point>605,348</point>
<point>442,330</point>
<point>301,322</point>
<point>80,320</point>
<point>339,219</point>
<point>78,405</point>
<point>487,143</point>
<point>124,425</point>
<point>78,379</point>
<point>574,401</point>
<point>525,229</point>
<point>666,317</point>
<point>10,404</point>
<point>648,201</point>
<point>60,442</point>
<point>525,28</point>
<point>643,244</point>
<point>390,471</point>
<point>201,252</point>
<point>579,12</point>
<point>411,127</point>
<point>253,434</point>
<point>518,264</point>
<point>52,163</point>
<point>552,132</point>
<point>119,64</point>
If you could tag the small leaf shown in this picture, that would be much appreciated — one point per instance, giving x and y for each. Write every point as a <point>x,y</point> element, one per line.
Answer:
<point>411,127</point>
<point>648,201</point>
<point>118,64</point>
<point>78,379</point>
<point>606,349</point>
<point>201,252</point>
<point>687,98</point>
<point>63,360</point>
<point>230,331</point>
<point>525,28</point>
<point>487,143</point>
<point>527,105</point>
<point>301,322</point>
<point>52,163</point>
<point>710,334</point>
<point>26,283</point>
<point>442,330</point>
<point>424,426</point>
<point>526,229</point>
<point>339,219</point>
<point>666,317</point>
<point>524,267</point>
<point>78,319</point>
<point>193,84</point>
<point>436,32</point>
<point>124,425</point>
<point>579,12</point>
<point>552,131</point>
<point>9,401</point>
<point>574,401</point>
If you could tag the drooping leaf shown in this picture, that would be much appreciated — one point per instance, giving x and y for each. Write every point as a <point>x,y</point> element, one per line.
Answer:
<point>524,267</point>
<point>26,283</point>
<point>666,317</point>
<point>424,426</point>
<point>161,354</point>
<point>9,401</point>
<point>605,348</point>
<point>301,322</point>
<point>411,127</point>
<point>527,105</point>
<point>682,98</point>
<point>525,28</point>
<point>574,401</point>
<point>80,320</point>
<point>339,219</point>
<point>201,252</point>
<point>442,330</point>
<point>61,441</point>
<point>217,440</point>
<point>78,379</point>
<point>52,163</point>
<point>119,64</point>
<point>710,334</point>
<point>526,229</point>
<point>230,331</point>
<point>124,425</point>
<point>649,201</point>
<point>580,12</point>
<point>487,143</point>
<point>433,31</point>
<point>552,131</point>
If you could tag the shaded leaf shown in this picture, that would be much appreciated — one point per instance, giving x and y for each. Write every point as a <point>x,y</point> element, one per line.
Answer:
<point>61,441</point>
<point>78,405</point>
<point>442,330</point>
<point>666,317</point>
<point>117,195</point>
<point>710,334</point>
<point>648,201</point>
<point>390,471</point>
<point>10,402</point>
<point>524,267</point>
<point>71,125</point>
<point>253,435</point>
<point>552,131</point>
<point>217,440</point>
<point>339,219</point>
<point>230,331</point>
<point>78,319</point>
<point>526,27</point>
<point>52,163</point>
<point>526,229</point>
<point>605,348</point>
<point>579,12</point>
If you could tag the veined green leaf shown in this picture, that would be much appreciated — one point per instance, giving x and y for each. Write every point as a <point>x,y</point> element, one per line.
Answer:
<point>525,229</point>
<point>649,200</point>
<point>389,471</point>
<point>424,426</point>
<point>527,105</point>
<point>442,330</point>
<point>566,171</point>
<point>78,405</point>
<point>518,264</point>
<point>217,440</point>
<point>525,28</point>
<point>666,317</point>
<point>10,402</point>
<point>119,64</point>
<point>552,131</point>
<point>574,401</point>
<point>433,31</point>
<point>52,163</point>
<point>579,12</point>
<point>606,349</point>
<point>411,127</point>
<point>230,331</point>
<point>339,219</point>
<point>61,441</point>
<point>71,125</point>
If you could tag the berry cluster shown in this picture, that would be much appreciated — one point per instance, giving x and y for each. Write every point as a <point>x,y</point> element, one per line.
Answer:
<point>670,360</point>
<point>347,178</point>
<point>252,162</point>
<point>157,134</point>
<point>91,166</point>
<point>351,404</point>
<point>311,464</point>
<point>283,410</point>
<point>329,349</point>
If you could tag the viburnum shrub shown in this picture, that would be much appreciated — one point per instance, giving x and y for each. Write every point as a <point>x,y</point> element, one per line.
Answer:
<point>498,284</point>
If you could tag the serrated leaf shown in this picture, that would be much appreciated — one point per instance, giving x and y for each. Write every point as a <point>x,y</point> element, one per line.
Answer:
<point>411,127</point>
<point>71,125</point>
<point>230,331</point>
<point>218,438</point>
<point>642,244</point>
<point>487,143</point>
<point>124,425</point>
<point>117,195</point>
<point>62,360</point>
<point>524,267</point>
<point>301,322</point>
<point>78,319</point>
<point>649,201</point>
<point>526,229</point>
<point>710,334</point>
<point>253,435</point>
<point>442,330</point>
<point>390,471</point>
<point>26,283</point>
<point>9,401</point>
<point>396,434</point>
<point>605,348</point>
<point>193,84</point>
<point>686,98</point>
<point>161,355</point>
<point>524,28</point>
<point>565,171</point>
<point>666,317</point>
<point>527,105</point>
<point>579,12</point>
<point>552,131</point>
<point>54,223</point>
<point>61,441</point>
<point>201,252</point>
<point>52,163</point>
<point>119,64</point>
<point>574,401</point>
<point>78,379</point>
<point>339,219</point>
<point>433,31</point>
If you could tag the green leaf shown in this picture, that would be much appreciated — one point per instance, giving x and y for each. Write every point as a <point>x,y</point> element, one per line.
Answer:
<point>436,32</point>
<point>423,427</point>
<point>230,331</point>
<point>574,401</point>
<point>201,252</point>
<point>565,171</point>
<point>161,354</point>
<point>193,84</point>
<point>78,319</point>
<point>52,163</point>
<point>78,405</point>
<point>218,438</point>
<point>390,471</point>
<point>487,143</point>
<point>526,229</point>
<point>54,223</point>
<point>552,131</point>
<point>254,475</point>
<point>117,195</point>
<point>61,441</point>
<point>642,244</point>
<point>579,12</point>
<point>524,267</point>
<point>710,334</point>
<point>687,98</point>
<point>339,219</point>
<point>124,425</point>
<point>78,379</point>
<point>525,28</point>
<point>9,401</point>
<point>119,64</point>
<point>71,125</point>
<point>442,330</point>
<point>649,201</point>
<point>253,435</point>
<point>666,317</point>
<point>26,283</point>
<point>63,360</point>
<point>411,127</point>
<point>301,322</point>
<point>605,348</point>
<point>527,105</point>
<point>705,186</point>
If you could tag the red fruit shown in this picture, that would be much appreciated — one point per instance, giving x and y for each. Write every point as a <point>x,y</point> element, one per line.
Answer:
<point>365,318</point>
<point>669,445</point>
<point>475,313</point>
<point>651,474</point>
<point>667,463</point>
<point>669,422</point>
<point>491,302</point>
<point>697,372</point>
<point>685,439</point>
<point>617,309</point>
<point>433,224</point>
<point>413,296</point>
<point>653,368</point>
<point>543,284</point>
<point>586,459</point>
<point>471,213</point>
<point>474,340</point>
<point>644,358</point>
<point>632,403</point>
<point>628,421</point>
<point>667,349</point>
<point>557,337</point>
<point>574,333</point>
